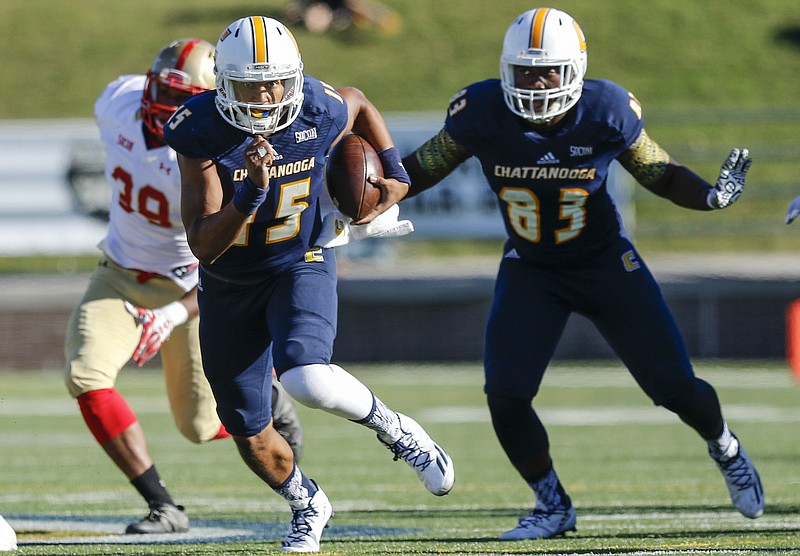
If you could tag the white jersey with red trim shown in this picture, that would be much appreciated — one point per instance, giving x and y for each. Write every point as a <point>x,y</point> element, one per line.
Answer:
<point>145,230</point>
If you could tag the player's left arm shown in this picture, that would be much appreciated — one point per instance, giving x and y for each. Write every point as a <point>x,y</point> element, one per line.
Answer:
<point>364,119</point>
<point>433,161</point>
<point>657,171</point>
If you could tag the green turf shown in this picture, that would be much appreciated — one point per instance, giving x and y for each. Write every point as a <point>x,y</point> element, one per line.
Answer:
<point>640,480</point>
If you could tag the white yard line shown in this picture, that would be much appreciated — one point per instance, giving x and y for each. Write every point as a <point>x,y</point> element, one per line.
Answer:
<point>605,415</point>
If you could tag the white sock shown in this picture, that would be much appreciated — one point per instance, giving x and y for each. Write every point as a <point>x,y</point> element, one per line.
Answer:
<point>383,421</point>
<point>725,446</point>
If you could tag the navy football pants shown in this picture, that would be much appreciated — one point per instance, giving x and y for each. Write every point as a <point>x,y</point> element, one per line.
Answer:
<point>620,296</point>
<point>294,310</point>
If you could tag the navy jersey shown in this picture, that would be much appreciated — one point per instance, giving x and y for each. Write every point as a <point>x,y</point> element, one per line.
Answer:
<point>551,185</point>
<point>286,225</point>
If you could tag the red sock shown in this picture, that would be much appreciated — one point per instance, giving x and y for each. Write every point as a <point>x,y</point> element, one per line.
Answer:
<point>106,413</point>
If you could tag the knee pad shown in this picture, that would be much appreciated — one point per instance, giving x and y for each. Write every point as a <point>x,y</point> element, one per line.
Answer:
<point>330,388</point>
<point>106,413</point>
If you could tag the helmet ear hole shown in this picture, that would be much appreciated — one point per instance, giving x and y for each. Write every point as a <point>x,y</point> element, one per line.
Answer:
<point>543,37</point>
<point>181,69</point>
<point>258,49</point>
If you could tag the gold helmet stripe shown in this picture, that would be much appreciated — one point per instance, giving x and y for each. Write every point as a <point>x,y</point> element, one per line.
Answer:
<point>259,39</point>
<point>537,27</point>
<point>291,36</point>
<point>581,36</point>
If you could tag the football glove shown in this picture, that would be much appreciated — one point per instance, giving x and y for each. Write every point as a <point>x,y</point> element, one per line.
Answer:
<point>337,229</point>
<point>730,183</point>
<point>793,210</point>
<point>157,325</point>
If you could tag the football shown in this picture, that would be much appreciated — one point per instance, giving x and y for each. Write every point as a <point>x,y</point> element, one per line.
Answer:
<point>349,163</point>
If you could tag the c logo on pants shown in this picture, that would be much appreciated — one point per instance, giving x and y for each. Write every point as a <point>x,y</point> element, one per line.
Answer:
<point>630,261</point>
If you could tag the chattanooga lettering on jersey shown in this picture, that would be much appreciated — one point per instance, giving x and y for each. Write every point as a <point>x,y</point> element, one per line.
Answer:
<point>544,173</point>
<point>280,170</point>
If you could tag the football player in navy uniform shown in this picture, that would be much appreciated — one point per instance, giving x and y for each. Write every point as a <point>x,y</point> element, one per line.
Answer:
<point>545,138</point>
<point>251,156</point>
<point>142,297</point>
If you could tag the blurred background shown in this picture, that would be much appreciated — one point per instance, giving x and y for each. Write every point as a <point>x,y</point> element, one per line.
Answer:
<point>710,75</point>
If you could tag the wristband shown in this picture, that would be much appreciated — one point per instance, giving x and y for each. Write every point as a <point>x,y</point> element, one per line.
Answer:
<point>393,165</point>
<point>248,197</point>
<point>176,312</point>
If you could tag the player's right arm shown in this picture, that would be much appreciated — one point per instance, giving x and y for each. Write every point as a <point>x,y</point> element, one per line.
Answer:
<point>433,161</point>
<point>210,228</point>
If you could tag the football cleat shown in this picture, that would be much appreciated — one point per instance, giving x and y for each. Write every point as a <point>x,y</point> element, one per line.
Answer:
<point>8,537</point>
<point>309,517</point>
<point>163,518</point>
<point>542,524</point>
<point>431,463</point>
<point>744,484</point>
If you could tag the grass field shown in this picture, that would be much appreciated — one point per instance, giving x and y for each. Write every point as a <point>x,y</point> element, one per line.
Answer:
<point>641,481</point>
<point>670,53</point>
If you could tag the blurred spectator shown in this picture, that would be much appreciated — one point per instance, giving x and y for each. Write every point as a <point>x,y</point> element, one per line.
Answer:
<point>321,16</point>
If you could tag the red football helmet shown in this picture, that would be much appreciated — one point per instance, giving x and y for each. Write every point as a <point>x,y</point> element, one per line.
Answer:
<point>181,69</point>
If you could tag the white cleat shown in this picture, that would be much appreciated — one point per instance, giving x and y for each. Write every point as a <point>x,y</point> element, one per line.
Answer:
<point>431,463</point>
<point>542,524</point>
<point>744,484</point>
<point>8,537</point>
<point>309,517</point>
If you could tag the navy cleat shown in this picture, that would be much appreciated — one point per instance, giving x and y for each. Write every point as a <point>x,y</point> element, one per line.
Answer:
<point>744,484</point>
<point>542,524</point>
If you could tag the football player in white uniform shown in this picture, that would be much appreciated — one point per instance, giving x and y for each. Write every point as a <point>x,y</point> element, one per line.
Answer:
<point>144,290</point>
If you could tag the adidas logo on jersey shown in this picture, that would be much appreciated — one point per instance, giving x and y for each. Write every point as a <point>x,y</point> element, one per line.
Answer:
<point>549,158</point>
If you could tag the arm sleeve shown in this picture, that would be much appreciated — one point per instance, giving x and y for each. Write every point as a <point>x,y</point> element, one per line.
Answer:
<point>433,161</point>
<point>653,168</point>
